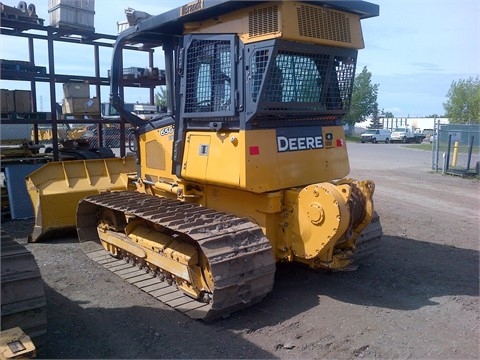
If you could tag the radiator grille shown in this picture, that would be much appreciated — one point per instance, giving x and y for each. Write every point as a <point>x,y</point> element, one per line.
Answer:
<point>263,21</point>
<point>320,23</point>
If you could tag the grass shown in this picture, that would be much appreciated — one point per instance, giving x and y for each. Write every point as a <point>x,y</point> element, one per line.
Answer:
<point>425,146</point>
<point>352,138</point>
<point>443,148</point>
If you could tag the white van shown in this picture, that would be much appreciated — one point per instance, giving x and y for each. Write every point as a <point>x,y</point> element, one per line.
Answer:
<point>376,135</point>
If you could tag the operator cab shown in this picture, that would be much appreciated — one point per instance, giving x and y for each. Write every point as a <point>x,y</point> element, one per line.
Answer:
<point>253,65</point>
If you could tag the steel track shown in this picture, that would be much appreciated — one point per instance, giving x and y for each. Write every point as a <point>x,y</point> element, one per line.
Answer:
<point>240,256</point>
<point>23,295</point>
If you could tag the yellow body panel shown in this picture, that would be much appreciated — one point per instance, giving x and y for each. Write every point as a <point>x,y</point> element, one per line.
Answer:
<point>156,159</point>
<point>289,20</point>
<point>261,209</point>
<point>197,167</point>
<point>289,194</point>
<point>250,160</point>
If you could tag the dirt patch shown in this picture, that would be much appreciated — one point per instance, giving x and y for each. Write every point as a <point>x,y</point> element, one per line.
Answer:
<point>417,298</point>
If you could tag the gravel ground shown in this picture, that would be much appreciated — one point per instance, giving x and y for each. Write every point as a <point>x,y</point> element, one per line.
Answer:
<point>417,298</point>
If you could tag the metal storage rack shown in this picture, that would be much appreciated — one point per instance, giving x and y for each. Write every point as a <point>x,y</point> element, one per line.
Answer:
<point>28,71</point>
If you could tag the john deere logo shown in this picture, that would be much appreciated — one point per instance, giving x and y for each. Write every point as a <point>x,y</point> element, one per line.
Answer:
<point>303,138</point>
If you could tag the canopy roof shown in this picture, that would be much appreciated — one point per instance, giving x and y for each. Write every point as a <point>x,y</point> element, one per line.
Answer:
<point>171,22</point>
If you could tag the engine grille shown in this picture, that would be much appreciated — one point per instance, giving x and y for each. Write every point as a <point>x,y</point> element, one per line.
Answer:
<point>290,20</point>
<point>320,23</point>
<point>263,21</point>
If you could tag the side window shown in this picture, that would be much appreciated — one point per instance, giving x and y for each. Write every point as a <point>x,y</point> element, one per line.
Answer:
<point>259,62</point>
<point>204,84</point>
<point>209,76</point>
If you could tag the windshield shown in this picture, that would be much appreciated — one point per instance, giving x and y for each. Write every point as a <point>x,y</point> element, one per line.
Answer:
<point>400,129</point>
<point>369,132</point>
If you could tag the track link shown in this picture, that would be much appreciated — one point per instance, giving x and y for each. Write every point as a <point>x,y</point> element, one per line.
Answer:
<point>240,256</point>
<point>23,296</point>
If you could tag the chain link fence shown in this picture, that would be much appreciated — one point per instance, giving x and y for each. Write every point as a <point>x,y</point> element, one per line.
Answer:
<point>86,134</point>
<point>456,149</point>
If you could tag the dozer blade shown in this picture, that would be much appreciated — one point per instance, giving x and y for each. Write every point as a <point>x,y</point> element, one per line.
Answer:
<point>57,187</point>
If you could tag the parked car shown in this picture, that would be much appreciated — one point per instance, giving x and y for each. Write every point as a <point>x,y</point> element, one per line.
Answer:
<point>376,135</point>
<point>407,135</point>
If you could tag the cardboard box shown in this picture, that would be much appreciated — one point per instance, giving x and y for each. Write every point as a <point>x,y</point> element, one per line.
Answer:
<point>81,106</point>
<point>23,101</point>
<point>76,90</point>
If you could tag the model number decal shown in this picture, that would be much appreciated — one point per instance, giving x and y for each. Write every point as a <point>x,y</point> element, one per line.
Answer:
<point>166,131</point>
<point>304,138</point>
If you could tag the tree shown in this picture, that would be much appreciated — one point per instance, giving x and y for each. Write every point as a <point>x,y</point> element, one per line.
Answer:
<point>463,101</point>
<point>161,97</point>
<point>364,99</point>
<point>375,119</point>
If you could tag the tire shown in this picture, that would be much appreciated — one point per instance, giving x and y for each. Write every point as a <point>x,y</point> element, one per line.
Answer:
<point>374,141</point>
<point>363,142</point>
<point>404,140</point>
<point>387,141</point>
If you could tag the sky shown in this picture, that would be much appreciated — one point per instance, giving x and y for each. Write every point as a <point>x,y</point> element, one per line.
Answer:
<point>414,51</point>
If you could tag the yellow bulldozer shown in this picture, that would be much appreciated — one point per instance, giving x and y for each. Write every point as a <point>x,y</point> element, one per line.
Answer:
<point>248,165</point>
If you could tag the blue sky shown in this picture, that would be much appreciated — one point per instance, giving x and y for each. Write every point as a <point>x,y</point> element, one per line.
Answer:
<point>414,50</point>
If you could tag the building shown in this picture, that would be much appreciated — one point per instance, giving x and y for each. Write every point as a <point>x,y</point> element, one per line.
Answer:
<point>392,123</point>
